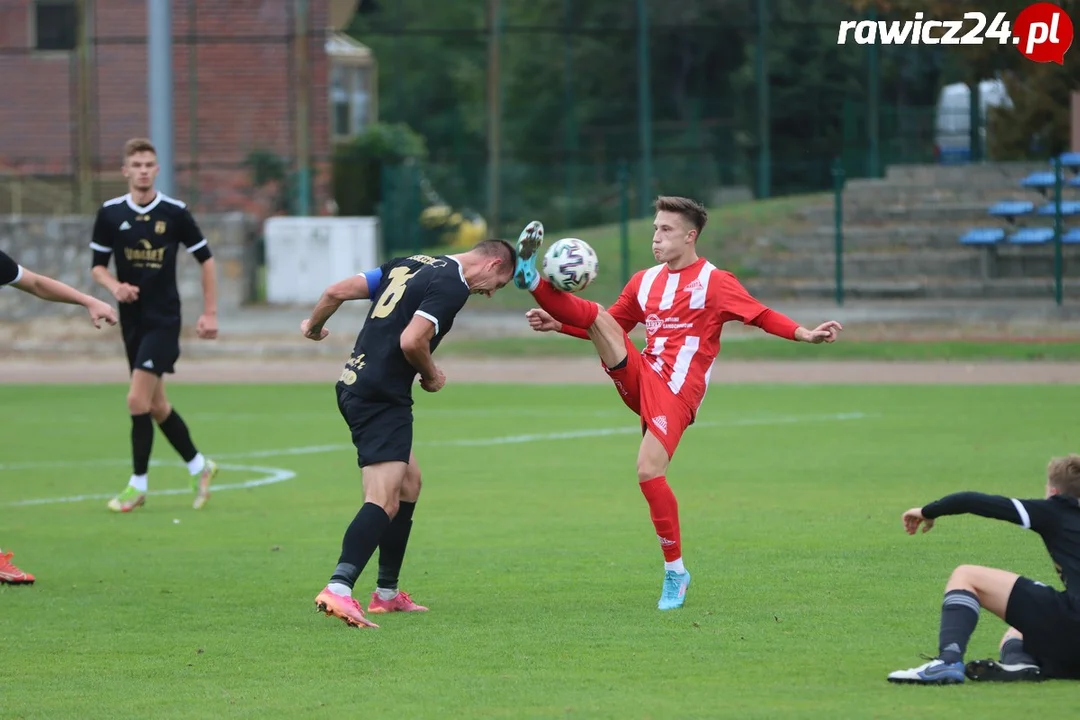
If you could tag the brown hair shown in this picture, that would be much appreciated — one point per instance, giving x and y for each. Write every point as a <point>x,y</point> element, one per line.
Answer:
<point>1064,475</point>
<point>138,145</point>
<point>691,210</point>
<point>497,248</point>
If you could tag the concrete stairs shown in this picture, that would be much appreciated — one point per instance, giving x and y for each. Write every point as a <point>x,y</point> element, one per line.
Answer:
<point>901,240</point>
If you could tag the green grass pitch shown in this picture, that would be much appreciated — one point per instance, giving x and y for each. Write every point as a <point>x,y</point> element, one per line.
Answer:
<point>532,546</point>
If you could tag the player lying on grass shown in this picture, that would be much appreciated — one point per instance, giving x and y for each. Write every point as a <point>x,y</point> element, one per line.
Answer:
<point>1044,636</point>
<point>683,302</point>
<point>414,302</point>
<point>52,290</point>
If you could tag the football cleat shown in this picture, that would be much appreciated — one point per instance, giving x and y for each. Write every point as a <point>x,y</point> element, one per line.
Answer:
<point>11,575</point>
<point>994,671</point>
<point>530,240</point>
<point>399,603</point>
<point>127,500</point>
<point>673,593</point>
<point>344,607</point>
<point>201,483</point>
<point>935,672</point>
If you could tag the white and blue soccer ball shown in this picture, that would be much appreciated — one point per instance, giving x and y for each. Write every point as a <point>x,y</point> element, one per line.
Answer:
<point>570,265</point>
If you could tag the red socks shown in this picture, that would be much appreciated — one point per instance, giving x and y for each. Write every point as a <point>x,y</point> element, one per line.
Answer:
<point>565,307</point>
<point>664,511</point>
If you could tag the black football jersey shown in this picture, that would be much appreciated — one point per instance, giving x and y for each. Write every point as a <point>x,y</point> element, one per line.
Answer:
<point>1056,520</point>
<point>10,272</point>
<point>432,287</point>
<point>144,242</point>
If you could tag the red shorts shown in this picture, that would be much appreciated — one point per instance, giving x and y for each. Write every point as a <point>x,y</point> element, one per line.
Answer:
<point>646,393</point>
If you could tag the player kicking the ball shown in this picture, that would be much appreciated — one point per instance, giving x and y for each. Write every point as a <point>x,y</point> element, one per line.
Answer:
<point>683,302</point>
<point>1043,640</point>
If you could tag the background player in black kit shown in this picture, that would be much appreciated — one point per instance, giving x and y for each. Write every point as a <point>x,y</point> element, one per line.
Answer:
<point>1044,636</point>
<point>143,231</point>
<point>413,304</point>
<point>11,273</point>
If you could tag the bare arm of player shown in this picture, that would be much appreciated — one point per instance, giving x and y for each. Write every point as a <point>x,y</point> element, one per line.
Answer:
<point>52,290</point>
<point>123,292</point>
<point>207,326</point>
<point>416,345</point>
<point>353,288</point>
<point>736,303</point>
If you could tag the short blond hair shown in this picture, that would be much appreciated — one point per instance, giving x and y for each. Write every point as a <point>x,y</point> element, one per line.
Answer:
<point>1063,473</point>
<point>138,145</point>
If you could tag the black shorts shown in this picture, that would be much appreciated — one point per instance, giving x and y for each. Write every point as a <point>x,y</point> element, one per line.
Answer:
<point>1050,625</point>
<point>381,431</point>
<point>153,349</point>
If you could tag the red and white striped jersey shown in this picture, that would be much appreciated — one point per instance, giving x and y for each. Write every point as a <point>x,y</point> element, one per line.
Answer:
<point>684,313</point>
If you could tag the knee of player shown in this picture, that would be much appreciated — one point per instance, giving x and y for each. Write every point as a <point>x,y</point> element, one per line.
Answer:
<point>964,572</point>
<point>138,405</point>
<point>410,489</point>
<point>647,470</point>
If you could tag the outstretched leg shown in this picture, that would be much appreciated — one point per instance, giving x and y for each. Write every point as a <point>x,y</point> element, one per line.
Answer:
<point>619,357</point>
<point>969,588</point>
<point>201,469</point>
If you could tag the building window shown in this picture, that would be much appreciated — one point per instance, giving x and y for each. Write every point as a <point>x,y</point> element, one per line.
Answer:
<point>55,25</point>
<point>350,100</point>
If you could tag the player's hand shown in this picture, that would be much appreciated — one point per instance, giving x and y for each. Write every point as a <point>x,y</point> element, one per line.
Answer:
<point>206,328</point>
<point>100,311</point>
<point>126,292</point>
<point>306,331</point>
<point>436,383</point>
<point>912,519</point>
<point>826,332</point>
<point>541,321</point>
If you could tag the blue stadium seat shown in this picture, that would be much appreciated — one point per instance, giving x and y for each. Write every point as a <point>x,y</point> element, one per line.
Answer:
<point>1068,207</point>
<point>1032,236</point>
<point>1070,160</point>
<point>1011,208</point>
<point>1073,182</point>
<point>1038,180</point>
<point>1072,237</point>
<point>982,236</point>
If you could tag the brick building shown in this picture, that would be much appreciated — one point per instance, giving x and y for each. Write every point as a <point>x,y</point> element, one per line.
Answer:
<point>236,91</point>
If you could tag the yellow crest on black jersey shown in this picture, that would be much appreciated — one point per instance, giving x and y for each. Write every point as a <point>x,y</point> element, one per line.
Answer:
<point>159,227</point>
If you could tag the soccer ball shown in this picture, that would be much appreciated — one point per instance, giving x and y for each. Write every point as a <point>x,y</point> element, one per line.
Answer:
<point>570,265</point>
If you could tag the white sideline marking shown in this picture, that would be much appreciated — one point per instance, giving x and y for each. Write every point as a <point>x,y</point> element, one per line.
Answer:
<point>461,442</point>
<point>270,476</point>
<point>255,417</point>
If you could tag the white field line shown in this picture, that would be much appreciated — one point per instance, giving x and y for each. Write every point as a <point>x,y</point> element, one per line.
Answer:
<point>269,477</point>
<point>276,475</point>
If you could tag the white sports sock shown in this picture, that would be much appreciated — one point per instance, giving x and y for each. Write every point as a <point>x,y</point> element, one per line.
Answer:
<point>385,594</point>
<point>677,566</point>
<point>196,465</point>
<point>340,589</point>
<point>139,482</point>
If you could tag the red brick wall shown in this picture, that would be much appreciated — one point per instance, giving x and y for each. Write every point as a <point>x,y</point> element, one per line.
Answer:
<point>244,92</point>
